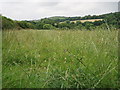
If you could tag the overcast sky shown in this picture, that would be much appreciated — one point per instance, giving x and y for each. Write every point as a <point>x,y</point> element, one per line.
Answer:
<point>36,9</point>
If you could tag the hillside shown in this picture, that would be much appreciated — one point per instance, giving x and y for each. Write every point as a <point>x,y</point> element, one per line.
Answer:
<point>86,22</point>
<point>58,17</point>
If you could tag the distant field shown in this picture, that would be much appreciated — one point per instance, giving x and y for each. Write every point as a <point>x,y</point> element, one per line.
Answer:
<point>89,20</point>
<point>63,59</point>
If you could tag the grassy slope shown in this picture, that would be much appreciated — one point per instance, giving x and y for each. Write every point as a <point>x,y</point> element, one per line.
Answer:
<point>60,59</point>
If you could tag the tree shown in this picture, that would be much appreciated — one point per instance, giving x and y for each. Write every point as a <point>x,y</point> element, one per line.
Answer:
<point>23,24</point>
<point>78,22</point>
<point>48,26</point>
<point>88,25</point>
<point>98,23</point>
<point>39,25</point>
<point>79,27</point>
<point>68,22</point>
<point>48,21</point>
<point>63,25</point>
<point>7,23</point>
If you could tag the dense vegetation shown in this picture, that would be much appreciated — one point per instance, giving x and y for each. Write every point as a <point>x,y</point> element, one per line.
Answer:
<point>109,20</point>
<point>46,54</point>
<point>60,59</point>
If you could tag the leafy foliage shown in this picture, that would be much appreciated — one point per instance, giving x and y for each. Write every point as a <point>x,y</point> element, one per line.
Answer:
<point>48,26</point>
<point>8,23</point>
<point>111,19</point>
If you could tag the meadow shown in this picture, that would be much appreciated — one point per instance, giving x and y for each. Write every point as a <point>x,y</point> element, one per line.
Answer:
<point>60,59</point>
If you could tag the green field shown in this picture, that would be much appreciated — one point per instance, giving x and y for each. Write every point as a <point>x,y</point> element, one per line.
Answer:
<point>60,59</point>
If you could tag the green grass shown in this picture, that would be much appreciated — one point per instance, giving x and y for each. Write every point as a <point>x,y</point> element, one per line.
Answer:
<point>60,59</point>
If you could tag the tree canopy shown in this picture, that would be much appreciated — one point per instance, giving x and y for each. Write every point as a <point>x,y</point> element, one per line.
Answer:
<point>110,19</point>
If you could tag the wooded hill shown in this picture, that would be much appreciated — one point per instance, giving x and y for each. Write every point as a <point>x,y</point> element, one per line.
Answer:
<point>110,20</point>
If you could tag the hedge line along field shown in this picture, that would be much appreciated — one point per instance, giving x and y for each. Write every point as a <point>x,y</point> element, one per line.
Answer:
<point>60,59</point>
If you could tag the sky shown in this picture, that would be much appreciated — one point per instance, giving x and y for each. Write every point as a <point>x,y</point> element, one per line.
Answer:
<point>37,9</point>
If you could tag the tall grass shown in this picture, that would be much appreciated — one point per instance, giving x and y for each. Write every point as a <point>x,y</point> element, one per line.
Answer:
<point>60,59</point>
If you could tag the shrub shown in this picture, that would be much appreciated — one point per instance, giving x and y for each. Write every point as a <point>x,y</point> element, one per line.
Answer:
<point>48,26</point>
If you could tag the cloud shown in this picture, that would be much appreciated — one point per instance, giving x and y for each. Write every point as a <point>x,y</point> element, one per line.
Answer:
<point>47,4</point>
<point>27,10</point>
<point>59,1</point>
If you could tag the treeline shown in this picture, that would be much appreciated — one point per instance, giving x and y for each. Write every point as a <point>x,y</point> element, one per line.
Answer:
<point>8,23</point>
<point>110,20</point>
